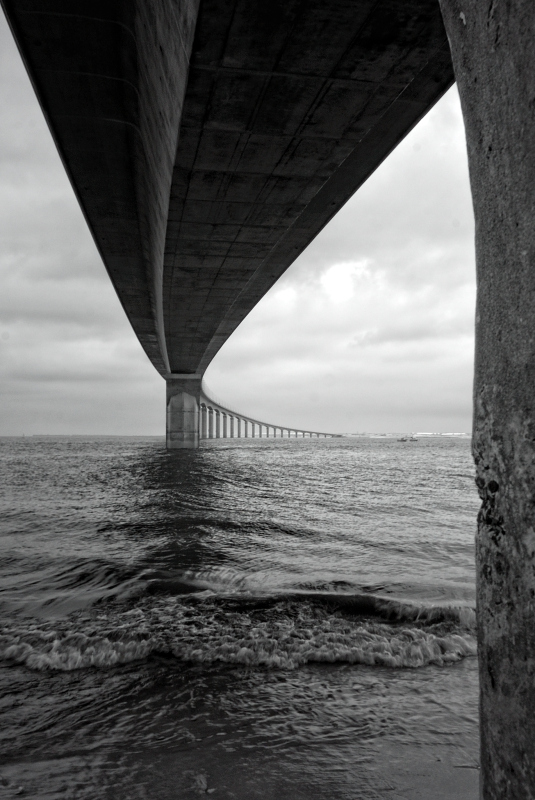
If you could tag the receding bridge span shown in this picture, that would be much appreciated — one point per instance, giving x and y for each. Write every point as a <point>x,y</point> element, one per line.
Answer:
<point>209,142</point>
<point>219,422</point>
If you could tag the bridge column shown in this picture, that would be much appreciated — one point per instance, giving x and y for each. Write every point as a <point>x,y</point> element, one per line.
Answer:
<point>210,423</point>
<point>217,424</point>
<point>494,60</point>
<point>202,422</point>
<point>224,426</point>
<point>182,418</point>
<point>239,427</point>
<point>231,432</point>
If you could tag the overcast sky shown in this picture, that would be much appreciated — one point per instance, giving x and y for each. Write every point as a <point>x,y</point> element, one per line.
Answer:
<point>370,330</point>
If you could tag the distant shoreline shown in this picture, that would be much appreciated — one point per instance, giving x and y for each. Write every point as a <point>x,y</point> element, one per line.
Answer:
<point>157,436</point>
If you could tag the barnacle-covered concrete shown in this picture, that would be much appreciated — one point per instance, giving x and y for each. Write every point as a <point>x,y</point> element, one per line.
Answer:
<point>494,58</point>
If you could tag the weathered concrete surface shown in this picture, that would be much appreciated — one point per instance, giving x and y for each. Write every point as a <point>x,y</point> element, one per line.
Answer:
<point>493,48</point>
<point>201,187</point>
<point>289,108</point>
<point>182,412</point>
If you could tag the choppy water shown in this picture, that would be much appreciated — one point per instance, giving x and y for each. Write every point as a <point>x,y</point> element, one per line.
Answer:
<point>257,619</point>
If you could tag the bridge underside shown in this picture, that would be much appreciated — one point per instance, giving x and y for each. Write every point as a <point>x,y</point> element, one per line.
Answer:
<point>209,143</point>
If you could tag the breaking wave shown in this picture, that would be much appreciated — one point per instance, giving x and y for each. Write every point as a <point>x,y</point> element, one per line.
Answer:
<point>270,631</point>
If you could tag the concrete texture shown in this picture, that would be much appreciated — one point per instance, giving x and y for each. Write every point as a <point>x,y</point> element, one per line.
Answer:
<point>494,57</point>
<point>182,412</point>
<point>208,147</point>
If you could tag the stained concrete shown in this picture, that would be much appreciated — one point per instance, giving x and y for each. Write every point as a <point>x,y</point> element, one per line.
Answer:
<point>207,148</point>
<point>182,412</point>
<point>494,57</point>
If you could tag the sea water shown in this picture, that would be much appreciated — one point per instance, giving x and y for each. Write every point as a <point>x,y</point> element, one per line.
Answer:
<point>255,619</point>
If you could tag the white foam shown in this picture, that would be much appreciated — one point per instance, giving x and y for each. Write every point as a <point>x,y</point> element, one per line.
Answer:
<point>284,637</point>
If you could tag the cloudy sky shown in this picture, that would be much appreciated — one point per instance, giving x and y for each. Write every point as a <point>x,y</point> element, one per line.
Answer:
<point>370,330</point>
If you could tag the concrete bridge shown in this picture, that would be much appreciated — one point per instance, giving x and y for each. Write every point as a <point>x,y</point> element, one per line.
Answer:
<point>209,142</point>
<point>218,422</point>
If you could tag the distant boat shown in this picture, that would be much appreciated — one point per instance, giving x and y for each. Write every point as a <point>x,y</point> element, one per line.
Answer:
<point>413,439</point>
<point>407,439</point>
<point>403,439</point>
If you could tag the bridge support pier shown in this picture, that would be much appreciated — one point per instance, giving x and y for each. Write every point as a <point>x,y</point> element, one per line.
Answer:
<point>494,60</point>
<point>183,407</point>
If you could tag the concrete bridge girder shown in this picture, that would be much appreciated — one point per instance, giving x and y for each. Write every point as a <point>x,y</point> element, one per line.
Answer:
<point>205,164</point>
<point>190,409</point>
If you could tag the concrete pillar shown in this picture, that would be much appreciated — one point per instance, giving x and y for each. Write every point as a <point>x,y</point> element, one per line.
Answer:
<point>182,414</point>
<point>252,430</point>
<point>217,424</point>
<point>210,423</point>
<point>493,52</point>
<point>260,431</point>
<point>224,419</point>
<point>245,429</point>
<point>231,432</point>
<point>239,428</point>
<point>204,421</point>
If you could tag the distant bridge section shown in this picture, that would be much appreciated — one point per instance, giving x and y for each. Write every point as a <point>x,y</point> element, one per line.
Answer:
<point>218,422</point>
<point>209,141</point>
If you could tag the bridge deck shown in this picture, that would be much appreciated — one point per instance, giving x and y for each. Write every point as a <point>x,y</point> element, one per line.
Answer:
<point>203,183</point>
